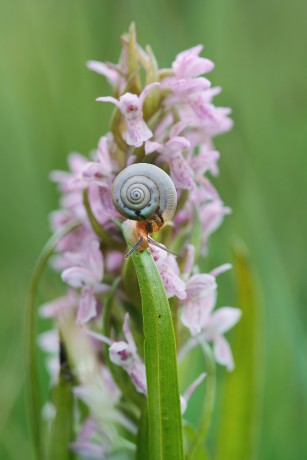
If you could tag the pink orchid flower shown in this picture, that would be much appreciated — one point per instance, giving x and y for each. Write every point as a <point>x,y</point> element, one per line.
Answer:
<point>131,107</point>
<point>171,152</point>
<point>124,354</point>
<point>85,444</point>
<point>170,274</point>
<point>188,63</point>
<point>198,317</point>
<point>86,273</point>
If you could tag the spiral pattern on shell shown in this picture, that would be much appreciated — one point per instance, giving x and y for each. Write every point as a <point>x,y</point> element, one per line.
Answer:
<point>142,191</point>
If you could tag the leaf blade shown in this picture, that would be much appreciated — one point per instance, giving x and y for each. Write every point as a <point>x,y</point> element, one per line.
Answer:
<point>242,391</point>
<point>164,413</point>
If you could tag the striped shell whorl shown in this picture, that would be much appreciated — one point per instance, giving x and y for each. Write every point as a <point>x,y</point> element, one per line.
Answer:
<point>142,191</point>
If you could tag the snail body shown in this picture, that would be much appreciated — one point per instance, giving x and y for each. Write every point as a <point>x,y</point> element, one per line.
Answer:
<point>147,196</point>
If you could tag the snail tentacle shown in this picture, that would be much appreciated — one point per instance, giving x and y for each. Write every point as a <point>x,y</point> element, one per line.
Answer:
<point>134,247</point>
<point>159,245</point>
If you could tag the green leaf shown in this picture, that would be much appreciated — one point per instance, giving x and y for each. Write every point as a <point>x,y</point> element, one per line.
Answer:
<point>164,413</point>
<point>142,440</point>
<point>239,424</point>
<point>197,449</point>
<point>33,392</point>
<point>62,426</point>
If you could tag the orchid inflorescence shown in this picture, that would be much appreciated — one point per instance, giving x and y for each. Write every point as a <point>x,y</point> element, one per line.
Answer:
<point>169,121</point>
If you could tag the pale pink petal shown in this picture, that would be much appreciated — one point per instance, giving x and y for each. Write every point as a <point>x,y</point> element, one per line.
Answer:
<point>101,68</point>
<point>121,354</point>
<point>190,390</point>
<point>181,173</point>
<point>212,215</point>
<point>78,277</point>
<point>93,171</point>
<point>100,200</point>
<point>137,132</point>
<point>130,107</point>
<point>200,285</point>
<point>87,307</point>
<point>220,269</point>
<point>224,319</point>
<point>49,341</point>
<point>61,304</point>
<point>114,261</point>
<point>163,125</point>
<point>196,313</point>
<point>131,160</point>
<point>146,90</point>
<point>201,298</point>
<point>128,335</point>
<point>188,64</point>
<point>173,284</point>
<point>103,154</point>
<point>222,352</point>
<point>184,87</point>
<point>214,119</point>
<point>193,317</point>
<point>189,261</point>
<point>53,369</point>
<point>169,272</point>
<point>137,373</point>
<point>108,99</point>
<point>205,161</point>
<point>94,260</point>
<point>99,337</point>
<point>153,147</point>
<point>85,446</point>
<point>176,144</point>
<point>178,128</point>
<point>76,162</point>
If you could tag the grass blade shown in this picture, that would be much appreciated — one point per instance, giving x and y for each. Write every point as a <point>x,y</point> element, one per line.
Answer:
<point>197,450</point>
<point>238,428</point>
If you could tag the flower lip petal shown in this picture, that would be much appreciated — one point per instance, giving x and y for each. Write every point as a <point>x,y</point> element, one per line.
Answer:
<point>222,352</point>
<point>101,68</point>
<point>128,334</point>
<point>88,306</point>
<point>176,144</point>
<point>78,277</point>
<point>200,285</point>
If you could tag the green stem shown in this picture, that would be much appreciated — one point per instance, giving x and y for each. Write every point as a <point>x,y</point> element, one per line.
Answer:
<point>198,445</point>
<point>34,399</point>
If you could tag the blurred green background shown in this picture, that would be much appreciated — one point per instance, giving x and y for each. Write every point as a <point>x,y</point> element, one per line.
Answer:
<point>47,109</point>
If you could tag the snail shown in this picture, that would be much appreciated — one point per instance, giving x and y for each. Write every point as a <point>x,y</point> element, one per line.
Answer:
<point>147,196</point>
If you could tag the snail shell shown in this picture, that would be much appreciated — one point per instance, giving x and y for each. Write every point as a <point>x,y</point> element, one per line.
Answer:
<point>144,192</point>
